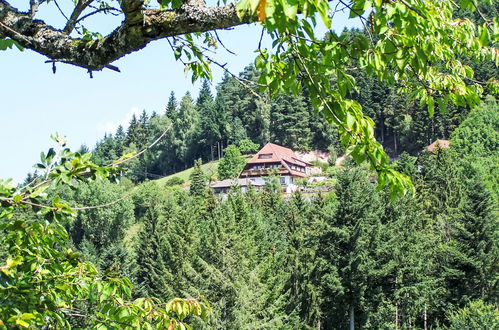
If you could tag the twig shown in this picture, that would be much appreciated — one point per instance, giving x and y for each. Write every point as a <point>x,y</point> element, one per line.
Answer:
<point>143,150</point>
<point>260,41</point>
<point>110,9</point>
<point>240,80</point>
<point>417,11</point>
<point>57,5</point>
<point>362,20</point>
<point>15,32</point>
<point>11,200</point>
<point>482,15</point>
<point>105,204</point>
<point>34,7</point>
<point>112,67</point>
<point>221,43</point>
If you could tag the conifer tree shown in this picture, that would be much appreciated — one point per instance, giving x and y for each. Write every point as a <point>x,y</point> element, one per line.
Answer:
<point>355,235</point>
<point>198,180</point>
<point>210,127</point>
<point>289,122</point>
<point>132,136</point>
<point>171,109</point>
<point>152,276</point>
<point>204,93</point>
<point>184,130</point>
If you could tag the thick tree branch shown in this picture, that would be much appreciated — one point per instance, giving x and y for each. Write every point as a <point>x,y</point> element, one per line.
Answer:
<point>140,27</point>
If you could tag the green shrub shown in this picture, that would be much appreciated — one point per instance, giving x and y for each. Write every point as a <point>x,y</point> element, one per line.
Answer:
<point>174,181</point>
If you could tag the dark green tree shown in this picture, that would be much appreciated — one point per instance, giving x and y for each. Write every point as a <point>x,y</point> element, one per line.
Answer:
<point>289,122</point>
<point>198,180</point>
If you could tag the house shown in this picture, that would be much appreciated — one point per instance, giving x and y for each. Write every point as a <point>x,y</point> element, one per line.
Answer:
<point>443,144</point>
<point>224,186</point>
<point>279,161</point>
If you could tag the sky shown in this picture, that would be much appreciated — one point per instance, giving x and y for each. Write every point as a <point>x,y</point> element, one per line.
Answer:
<point>35,103</point>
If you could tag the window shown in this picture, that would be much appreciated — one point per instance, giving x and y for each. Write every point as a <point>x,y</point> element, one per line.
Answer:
<point>283,180</point>
<point>264,156</point>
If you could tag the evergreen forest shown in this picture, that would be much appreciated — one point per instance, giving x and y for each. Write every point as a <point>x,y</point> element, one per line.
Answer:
<point>350,257</point>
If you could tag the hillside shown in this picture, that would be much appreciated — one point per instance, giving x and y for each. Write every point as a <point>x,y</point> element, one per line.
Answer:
<point>210,169</point>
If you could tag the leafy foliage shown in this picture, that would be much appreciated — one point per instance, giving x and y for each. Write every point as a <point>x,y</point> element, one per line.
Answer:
<point>476,315</point>
<point>43,282</point>
<point>232,163</point>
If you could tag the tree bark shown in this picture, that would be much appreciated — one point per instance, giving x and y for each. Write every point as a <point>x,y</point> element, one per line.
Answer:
<point>140,27</point>
<point>352,318</point>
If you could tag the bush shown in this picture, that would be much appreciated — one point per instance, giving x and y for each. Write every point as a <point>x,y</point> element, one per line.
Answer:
<point>174,181</point>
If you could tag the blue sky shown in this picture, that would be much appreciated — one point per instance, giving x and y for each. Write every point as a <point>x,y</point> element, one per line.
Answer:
<point>36,103</point>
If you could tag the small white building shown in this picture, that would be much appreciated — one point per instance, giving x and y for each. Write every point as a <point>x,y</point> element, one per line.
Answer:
<point>224,186</point>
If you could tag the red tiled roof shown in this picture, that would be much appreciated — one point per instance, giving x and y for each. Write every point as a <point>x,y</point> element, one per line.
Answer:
<point>444,144</point>
<point>278,154</point>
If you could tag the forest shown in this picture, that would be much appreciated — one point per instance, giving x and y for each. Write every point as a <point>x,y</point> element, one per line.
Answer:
<point>351,255</point>
<point>91,225</point>
<point>204,127</point>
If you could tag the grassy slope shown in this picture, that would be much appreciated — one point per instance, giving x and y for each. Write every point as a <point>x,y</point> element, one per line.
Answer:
<point>210,169</point>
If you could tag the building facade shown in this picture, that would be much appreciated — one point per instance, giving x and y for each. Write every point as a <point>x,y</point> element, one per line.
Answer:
<point>276,160</point>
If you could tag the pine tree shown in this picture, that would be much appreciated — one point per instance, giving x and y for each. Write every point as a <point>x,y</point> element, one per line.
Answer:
<point>152,275</point>
<point>356,232</point>
<point>120,138</point>
<point>289,122</point>
<point>132,136</point>
<point>184,128</point>
<point>171,109</point>
<point>198,180</point>
<point>210,127</point>
<point>204,93</point>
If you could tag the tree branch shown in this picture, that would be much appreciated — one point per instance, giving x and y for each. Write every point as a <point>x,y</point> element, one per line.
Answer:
<point>109,10</point>
<point>140,27</point>
<point>73,19</point>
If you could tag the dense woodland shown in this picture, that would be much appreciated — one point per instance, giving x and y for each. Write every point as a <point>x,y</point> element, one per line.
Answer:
<point>352,256</point>
<point>323,261</point>
<point>315,261</point>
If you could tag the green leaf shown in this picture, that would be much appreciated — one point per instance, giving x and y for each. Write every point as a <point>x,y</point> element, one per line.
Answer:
<point>431,106</point>
<point>17,198</point>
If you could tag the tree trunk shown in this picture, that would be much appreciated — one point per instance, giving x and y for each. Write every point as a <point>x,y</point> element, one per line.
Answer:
<point>352,318</point>
<point>425,317</point>
<point>396,316</point>
<point>395,141</point>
